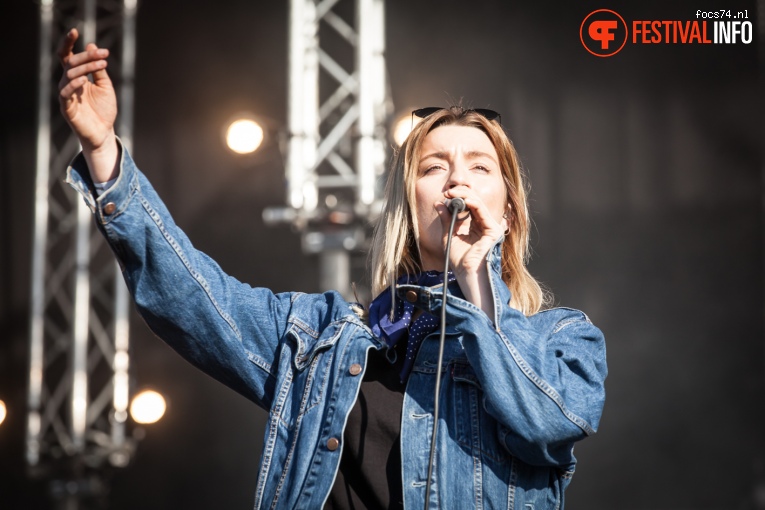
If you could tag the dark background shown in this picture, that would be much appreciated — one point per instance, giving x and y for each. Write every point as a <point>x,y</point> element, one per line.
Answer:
<point>646,173</point>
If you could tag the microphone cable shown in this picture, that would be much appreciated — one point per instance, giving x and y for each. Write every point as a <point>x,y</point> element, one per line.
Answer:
<point>456,206</point>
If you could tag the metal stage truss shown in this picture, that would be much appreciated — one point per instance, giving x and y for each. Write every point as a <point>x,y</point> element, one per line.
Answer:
<point>79,357</point>
<point>337,110</point>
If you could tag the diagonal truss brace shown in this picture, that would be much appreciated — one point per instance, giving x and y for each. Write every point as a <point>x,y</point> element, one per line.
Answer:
<point>336,136</point>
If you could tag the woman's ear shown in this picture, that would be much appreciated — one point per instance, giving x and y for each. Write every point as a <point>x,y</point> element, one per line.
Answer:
<point>506,219</point>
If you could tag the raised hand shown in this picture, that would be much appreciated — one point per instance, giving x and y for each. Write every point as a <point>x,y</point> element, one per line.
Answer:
<point>90,109</point>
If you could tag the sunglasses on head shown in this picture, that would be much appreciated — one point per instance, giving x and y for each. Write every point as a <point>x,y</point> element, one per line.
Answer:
<point>423,113</point>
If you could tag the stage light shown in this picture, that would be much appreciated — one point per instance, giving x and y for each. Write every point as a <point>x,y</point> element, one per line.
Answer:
<point>2,412</point>
<point>403,127</point>
<point>147,407</point>
<point>244,136</point>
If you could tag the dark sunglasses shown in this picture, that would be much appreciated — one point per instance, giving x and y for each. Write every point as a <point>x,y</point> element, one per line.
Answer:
<point>423,113</point>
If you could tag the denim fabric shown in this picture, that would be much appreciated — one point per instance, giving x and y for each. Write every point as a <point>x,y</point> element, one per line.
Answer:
<point>517,391</point>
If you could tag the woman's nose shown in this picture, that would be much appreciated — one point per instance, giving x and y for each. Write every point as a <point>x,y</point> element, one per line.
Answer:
<point>458,177</point>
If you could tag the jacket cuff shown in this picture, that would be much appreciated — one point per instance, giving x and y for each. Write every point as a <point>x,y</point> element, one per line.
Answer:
<point>113,201</point>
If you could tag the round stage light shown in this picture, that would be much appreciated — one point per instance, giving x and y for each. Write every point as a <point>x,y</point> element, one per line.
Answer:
<point>244,136</point>
<point>2,412</point>
<point>147,407</point>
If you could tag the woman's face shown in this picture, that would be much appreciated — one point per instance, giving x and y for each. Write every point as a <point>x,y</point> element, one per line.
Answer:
<point>463,159</point>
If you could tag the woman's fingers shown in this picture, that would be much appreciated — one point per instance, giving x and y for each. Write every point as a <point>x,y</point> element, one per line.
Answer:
<point>68,90</point>
<point>72,60</point>
<point>480,214</point>
<point>91,54</point>
<point>78,66</point>
<point>475,206</point>
<point>66,46</point>
<point>85,69</point>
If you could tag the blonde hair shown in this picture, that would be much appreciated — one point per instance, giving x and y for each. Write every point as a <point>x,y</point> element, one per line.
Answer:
<point>395,251</point>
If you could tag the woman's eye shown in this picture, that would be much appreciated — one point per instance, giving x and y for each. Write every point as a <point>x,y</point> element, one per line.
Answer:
<point>481,168</point>
<point>432,168</point>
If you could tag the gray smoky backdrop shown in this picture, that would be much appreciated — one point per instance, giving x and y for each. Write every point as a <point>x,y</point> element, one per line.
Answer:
<point>646,179</point>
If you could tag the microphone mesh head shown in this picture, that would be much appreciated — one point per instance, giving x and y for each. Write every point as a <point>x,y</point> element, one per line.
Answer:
<point>456,205</point>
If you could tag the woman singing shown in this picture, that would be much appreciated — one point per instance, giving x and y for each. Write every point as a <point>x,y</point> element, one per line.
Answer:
<point>350,393</point>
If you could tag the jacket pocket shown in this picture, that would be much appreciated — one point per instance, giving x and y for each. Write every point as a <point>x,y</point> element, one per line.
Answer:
<point>476,429</point>
<point>537,487</point>
<point>309,342</point>
<point>311,355</point>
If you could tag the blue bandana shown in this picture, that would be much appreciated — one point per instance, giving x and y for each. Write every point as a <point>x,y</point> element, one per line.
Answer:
<point>391,331</point>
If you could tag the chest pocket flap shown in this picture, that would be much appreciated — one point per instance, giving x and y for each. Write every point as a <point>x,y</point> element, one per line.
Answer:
<point>461,371</point>
<point>310,342</point>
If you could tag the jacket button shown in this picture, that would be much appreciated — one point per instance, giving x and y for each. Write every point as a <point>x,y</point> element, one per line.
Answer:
<point>332,444</point>
<point>109,208</point>
<point>411,296</point>
<point>355,369</point>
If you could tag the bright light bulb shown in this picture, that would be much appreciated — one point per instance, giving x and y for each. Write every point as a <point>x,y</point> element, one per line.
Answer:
<point>244,136</point>
<point>147,407</point>
<point>403,127</point>
<point>2,411</point>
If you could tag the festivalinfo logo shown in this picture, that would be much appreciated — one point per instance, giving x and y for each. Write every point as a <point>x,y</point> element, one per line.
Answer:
<point>604,32</point>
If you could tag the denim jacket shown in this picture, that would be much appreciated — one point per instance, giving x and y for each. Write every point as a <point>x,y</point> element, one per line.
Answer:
<point>516,391</point>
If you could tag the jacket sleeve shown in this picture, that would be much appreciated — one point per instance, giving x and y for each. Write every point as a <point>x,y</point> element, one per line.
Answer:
<point>542,376</point>
<point>226,328</point>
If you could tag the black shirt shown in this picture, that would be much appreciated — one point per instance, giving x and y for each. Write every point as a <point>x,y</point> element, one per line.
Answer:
<point>370,467</point>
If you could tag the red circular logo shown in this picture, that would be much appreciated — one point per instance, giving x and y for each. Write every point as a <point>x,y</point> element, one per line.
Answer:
<point>603,33</point>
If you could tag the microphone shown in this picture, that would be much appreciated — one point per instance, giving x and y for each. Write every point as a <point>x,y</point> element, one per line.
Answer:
<point>455,205</point>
